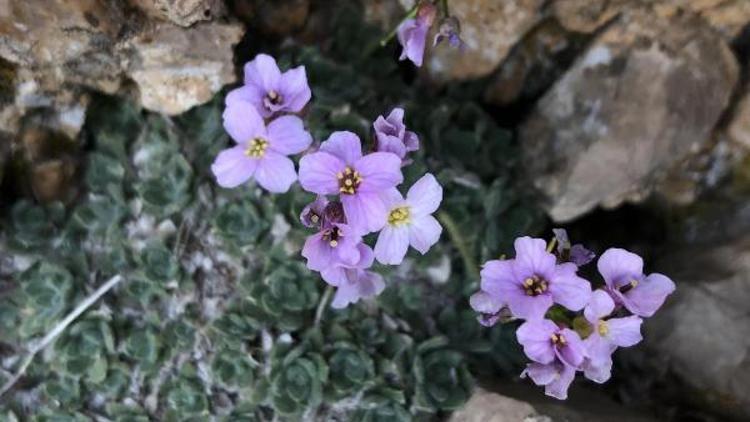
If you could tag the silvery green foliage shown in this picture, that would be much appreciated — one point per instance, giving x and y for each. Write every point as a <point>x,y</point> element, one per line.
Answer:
<point>216,318</point>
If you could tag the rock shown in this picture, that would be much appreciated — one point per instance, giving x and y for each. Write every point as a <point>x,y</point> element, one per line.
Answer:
<point>180,12</point>
<point>535,63</point>
<point>60,48</point>
<point>728,17</point>
<point>489,28</point>
<point>526,403</point>
<point>281,17</point>
<point>738,130</point>
<point>177,69</point>
<point>485,406</point>
<point>644,96</point>
<point>704,330</point>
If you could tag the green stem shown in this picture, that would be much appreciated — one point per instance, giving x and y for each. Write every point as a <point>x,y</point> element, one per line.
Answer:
<point>460,243</point>
<point>551,245</point>
<point>322,305</point>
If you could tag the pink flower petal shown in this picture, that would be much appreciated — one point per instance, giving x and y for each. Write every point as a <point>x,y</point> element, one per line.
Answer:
<point>536,339</point>
<point>568,289</point>
<point>344,145</point>
<point>618,266</point>
<point>380,171</point>
<point>233,168</point>
<point>294,88</point>
<point>528,307</point>
<point>317,173</point>
<point>243,122</point>
<point>599,306</point>
<point>425,195</point>
<point>263,73</point>
<point>558,388</point>
<point>392,244</point>
<point>532,258</point>
<point>287,135</point>
<point>485,303</point>
<point>424,232</point>
<point>598,371</point>
<point>275,172</point>
<point>498,279</point>
<point>365,211</point>
<point>624,332</point>
<point>573,352</point>
<point>648,296</point>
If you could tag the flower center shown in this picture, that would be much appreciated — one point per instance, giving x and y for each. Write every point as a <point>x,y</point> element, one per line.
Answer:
<point>629,286</point>
<point>332,236</point>
<point>256,148</point>
<point>534,285</point>
<point>349,180</point>
<point>558,340</point>
<point>398,216</point>
<point>272,98</point>
<point>603,328</point>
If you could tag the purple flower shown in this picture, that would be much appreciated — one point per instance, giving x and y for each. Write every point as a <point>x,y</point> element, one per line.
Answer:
<point>556,352</point>
<point>488,306</point>
<point>449,29</point>
<point>339,168</point>
<point>412,34</point>
<point>334,243</point>
<point>532,282</point>
<point>392,135</point>
<point>556,378</point>
<point>623,273</point>
<point>353,281</point>
<point>410,221</point>
<point>606,335</point>
<point>576,254</point>
<point>544,342</point>
<point>271,91</point>
<point>261,152</point>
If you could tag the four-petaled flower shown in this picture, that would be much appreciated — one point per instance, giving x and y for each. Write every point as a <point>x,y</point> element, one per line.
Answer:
<point>392,136</point>
<point>410,221</point>
<point>532,282</point>
<point>340,168</point>
<point>260,152</point>
<point>556,352</point>
<point>606,335</point>
<point>334,243</point>
<point>269,90</point>
<point>623,273</point>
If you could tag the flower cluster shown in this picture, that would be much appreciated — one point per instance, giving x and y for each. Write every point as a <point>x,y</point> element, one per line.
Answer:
<point>412,33</point>
<point>256,120</point>
<point>356,191</point>
<point>367,201</point>
<point>537,284</point>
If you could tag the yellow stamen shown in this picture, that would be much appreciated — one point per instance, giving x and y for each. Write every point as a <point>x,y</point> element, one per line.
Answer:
<point>399,216</point>
<point>603,328</point>
<point>256,148</point>
<point>333,243</point>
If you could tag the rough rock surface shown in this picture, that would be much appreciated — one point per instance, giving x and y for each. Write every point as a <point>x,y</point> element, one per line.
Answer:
<point>728,17</point>
<point>489,28</point>
<point>177,69</point>
<point>180,12</point>
<point>704,330</point>
<point>526,403</point>
<point>644,95</point>
<point>739,128</point>
<point>56,47</point>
